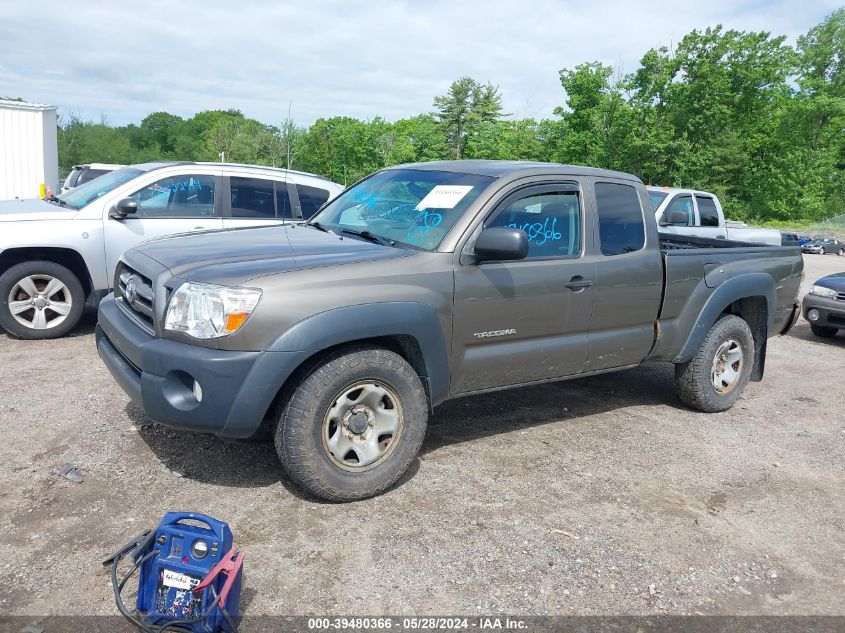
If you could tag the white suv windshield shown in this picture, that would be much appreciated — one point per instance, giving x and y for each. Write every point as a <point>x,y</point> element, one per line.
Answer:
<point>406,207</point>
<point>86,193</point>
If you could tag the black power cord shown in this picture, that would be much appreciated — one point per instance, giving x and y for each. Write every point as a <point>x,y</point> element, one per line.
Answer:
<point>174,626</point>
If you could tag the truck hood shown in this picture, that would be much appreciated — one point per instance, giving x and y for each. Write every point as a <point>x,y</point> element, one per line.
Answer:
<point>235,256</point>
<point>33,209</point>
<point>834,282</point>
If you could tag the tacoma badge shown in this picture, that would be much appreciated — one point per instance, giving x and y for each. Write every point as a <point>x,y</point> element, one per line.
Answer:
<point>493,333</point>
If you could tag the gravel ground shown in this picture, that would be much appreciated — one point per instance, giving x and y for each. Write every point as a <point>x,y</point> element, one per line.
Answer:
<point>598,496</point>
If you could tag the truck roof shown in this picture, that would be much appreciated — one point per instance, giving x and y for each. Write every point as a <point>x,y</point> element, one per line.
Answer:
<point>499,168</point>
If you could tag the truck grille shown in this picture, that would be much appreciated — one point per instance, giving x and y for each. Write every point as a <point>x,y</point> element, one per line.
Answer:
<point>136,294</point>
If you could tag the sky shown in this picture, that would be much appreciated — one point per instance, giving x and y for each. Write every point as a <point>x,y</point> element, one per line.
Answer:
<point>119,61</point>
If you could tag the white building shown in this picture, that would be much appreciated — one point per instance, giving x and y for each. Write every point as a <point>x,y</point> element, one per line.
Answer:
<point>29,156</point>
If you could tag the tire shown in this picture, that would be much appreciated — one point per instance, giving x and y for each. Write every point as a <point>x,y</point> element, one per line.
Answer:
<point>327,431</point>
<point>841,252</point>
<point>695,380</point>
<point>822,331</point>
<point>25,283</point>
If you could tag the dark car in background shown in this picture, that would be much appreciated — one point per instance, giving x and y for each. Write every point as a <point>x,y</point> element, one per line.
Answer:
<point>823,247</point>
<point>824,305</point>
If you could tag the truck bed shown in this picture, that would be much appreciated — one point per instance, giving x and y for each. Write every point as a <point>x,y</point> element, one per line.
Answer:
<point>697,270</point>
<point>672,242</point>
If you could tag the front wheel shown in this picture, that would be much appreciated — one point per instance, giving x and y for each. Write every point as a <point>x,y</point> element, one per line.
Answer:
<point>717,375</point>
<point>40,300</point>
<point>353,425</point>
<point>823,332</point>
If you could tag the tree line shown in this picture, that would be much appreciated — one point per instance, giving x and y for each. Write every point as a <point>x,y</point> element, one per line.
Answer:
<point>743,114</point>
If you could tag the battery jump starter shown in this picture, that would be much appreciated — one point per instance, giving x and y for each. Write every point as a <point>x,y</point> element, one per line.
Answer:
<point>190,576</point>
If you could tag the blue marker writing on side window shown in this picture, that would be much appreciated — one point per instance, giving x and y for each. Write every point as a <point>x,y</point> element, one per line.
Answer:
<point>540,233</point>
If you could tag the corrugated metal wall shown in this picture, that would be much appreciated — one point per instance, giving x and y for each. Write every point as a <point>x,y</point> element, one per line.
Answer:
<point>28,150</point>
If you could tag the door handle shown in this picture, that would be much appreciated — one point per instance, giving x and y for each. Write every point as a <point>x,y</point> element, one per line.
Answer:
<point>577,284</point>
<point>198,228</point>
<point>721,237</point>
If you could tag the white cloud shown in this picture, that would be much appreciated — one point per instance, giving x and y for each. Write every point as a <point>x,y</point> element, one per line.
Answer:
<point>358,57</point>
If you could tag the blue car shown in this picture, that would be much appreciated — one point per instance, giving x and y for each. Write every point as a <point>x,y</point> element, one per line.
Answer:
<point>793,239</point>
<point>824,305</point>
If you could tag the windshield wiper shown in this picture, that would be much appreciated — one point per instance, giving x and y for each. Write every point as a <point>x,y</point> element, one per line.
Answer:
<point>370,237</point>
<point>319,227</point>
<point>52,198</point>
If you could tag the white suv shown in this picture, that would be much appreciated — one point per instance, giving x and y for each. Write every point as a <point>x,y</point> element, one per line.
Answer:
<point>58,256</point>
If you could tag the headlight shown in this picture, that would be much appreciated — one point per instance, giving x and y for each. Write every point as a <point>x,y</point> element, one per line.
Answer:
<point>821,291</point>
<point>207,311</point>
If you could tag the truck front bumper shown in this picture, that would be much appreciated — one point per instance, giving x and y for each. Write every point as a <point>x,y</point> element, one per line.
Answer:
<point>831,311</point>
<point>237,388</point>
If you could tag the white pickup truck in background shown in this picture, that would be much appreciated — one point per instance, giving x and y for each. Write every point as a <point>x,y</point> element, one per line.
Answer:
<point>699,214</point>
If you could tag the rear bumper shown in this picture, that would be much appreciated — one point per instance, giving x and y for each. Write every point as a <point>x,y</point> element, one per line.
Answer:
<point>831,311</point>
<point>238,388</point>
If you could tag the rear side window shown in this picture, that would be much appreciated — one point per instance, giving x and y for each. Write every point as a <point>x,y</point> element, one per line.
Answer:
<point>252,198</point>
<point>621,225</point>
<point>259,198</point>
<point>707,211</point>
<point>311,199</point>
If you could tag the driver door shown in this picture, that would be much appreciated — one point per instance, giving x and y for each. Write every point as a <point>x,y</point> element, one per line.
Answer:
<point>181,203</point>
<point>528,320</point>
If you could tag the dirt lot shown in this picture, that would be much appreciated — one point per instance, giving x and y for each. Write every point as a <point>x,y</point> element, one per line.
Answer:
<point>598,496</point>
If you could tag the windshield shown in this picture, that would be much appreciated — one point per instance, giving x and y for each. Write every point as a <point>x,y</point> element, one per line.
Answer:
<point>86,193</point>
<point>409,207</point>
<point>657,197</point>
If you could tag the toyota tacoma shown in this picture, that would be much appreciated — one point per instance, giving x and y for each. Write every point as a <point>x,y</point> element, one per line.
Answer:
<point>423,283</point>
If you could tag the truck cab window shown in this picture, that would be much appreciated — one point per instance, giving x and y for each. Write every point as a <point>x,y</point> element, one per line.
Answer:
<point>621,224</point>
<point>707,211</point>
<point>187,196</point>
<point>551,220</point>
<point>679,204</point>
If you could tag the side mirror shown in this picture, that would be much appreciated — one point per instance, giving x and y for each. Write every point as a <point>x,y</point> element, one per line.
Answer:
<point>501,243</point>
<point>123,208</point>
<point>674,218</point>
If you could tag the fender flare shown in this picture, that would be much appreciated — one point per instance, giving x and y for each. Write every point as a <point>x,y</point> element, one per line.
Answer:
<point>365,321</point>
<point>734,289</point>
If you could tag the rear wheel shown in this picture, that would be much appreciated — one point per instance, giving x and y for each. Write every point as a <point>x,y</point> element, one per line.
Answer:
<point>823,332</point>
<point>717,375</point>
<point>40,300</point>
<point>353,425</point>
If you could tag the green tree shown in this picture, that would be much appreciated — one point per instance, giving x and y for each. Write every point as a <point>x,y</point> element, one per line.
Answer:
<point>466,106</point>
